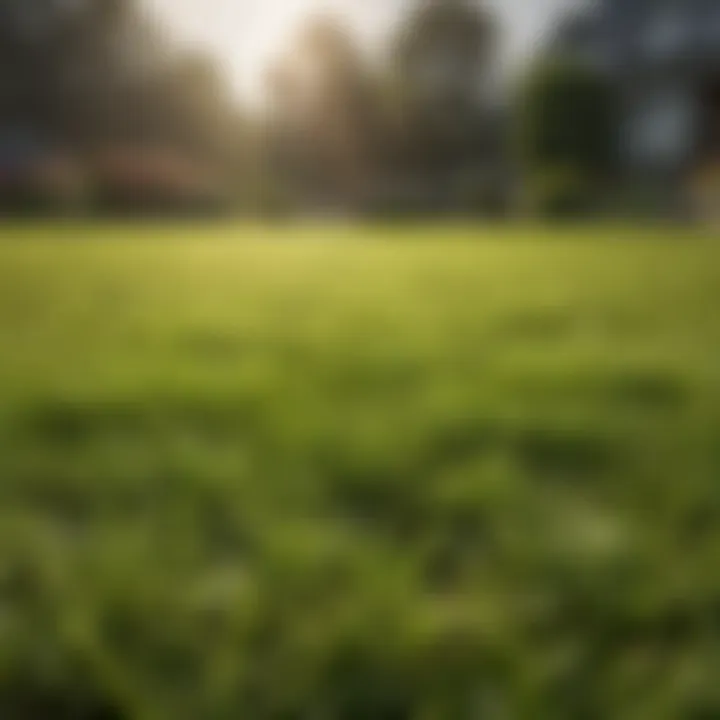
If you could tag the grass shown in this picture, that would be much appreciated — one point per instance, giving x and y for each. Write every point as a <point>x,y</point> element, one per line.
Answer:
<point>414,475</point>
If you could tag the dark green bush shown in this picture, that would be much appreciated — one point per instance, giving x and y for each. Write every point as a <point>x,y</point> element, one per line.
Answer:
<point>560,193</point>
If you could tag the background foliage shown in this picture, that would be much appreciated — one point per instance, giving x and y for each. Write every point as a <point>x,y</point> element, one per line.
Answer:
<point>567,136</point>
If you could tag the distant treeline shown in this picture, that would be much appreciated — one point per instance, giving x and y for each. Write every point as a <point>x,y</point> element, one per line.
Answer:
<point>100,112</point>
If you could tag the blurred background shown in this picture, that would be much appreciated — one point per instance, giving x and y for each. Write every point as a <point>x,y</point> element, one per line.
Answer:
<point>462,465</point>
<point>357,109</point>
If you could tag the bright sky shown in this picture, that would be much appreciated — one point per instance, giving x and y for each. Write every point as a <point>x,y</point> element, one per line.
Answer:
<point>246,34</point>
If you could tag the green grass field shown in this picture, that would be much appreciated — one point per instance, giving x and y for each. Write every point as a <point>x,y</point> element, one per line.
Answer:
<point>346,474</point>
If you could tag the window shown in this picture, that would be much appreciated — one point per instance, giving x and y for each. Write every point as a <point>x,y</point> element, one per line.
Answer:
<point>665,31</point>
<point>711,26</point>
<point>662,129</point>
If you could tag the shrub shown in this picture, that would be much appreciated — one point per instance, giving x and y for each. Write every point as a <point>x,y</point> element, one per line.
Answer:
<point>560,193</point>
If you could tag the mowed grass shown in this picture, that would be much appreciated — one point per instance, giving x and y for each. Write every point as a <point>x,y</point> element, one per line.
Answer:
<point>347,474</point>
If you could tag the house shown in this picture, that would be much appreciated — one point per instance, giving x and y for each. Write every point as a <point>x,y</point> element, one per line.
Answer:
<point>132,179</point>
<point>663,57</point>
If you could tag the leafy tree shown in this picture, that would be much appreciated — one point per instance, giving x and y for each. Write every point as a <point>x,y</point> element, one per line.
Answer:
<point>567,124</point>
<point>442,57</point>
<point>91,75</point>
<point>323,117</point>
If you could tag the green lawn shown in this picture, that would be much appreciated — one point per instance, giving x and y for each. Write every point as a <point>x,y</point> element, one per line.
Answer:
<point>346,474</point>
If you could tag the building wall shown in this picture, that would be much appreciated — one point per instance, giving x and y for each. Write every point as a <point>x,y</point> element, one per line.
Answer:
<point>660,126</point>
<point>659,52</point>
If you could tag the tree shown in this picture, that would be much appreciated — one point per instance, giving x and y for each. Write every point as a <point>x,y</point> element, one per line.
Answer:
<point>442,56</point>
<point>567,128</point>
<point>93,77</point>
<point>322,117</point>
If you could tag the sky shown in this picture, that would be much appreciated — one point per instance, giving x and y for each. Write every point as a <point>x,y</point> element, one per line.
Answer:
<point>246,34</point>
